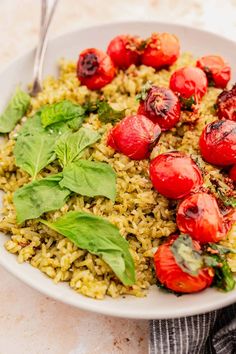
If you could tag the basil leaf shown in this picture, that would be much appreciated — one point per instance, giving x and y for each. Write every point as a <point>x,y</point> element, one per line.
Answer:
<point>38,197</point>
<point>62,112</point>
<point>34,152</point>
<point>32,125</point>
<point>90,178</point>
<point>107,114</point>
<point>70,145</point>
<point>188,259</point>
<point>15,110</point>
<point>223,279</point>
<point>100,237</point>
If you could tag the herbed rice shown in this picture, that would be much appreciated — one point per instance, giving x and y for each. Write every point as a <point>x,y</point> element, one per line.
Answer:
<point>142,215</point>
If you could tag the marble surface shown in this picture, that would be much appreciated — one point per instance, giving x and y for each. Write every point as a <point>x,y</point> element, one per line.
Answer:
<point>30,322</point>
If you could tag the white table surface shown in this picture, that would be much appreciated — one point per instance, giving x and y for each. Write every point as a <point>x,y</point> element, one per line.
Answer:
<point>31,323</point>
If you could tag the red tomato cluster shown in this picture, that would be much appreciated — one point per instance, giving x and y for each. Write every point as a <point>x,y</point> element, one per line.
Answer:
<point>95,69</point>
<point>218,72</point>
<point>173,174</point>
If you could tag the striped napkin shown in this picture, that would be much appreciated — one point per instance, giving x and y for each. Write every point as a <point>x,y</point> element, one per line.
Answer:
<point>213,332</point>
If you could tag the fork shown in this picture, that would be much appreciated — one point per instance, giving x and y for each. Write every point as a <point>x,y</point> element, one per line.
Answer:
<point>47,10</point>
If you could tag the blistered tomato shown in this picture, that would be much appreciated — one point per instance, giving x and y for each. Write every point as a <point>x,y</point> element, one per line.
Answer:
<point>175,175</point>
<point>199,216</point>
<point>162,106</point>
<point>226,104</point>
<point>135,136</point>
<point>218,72</point>
<point>95,69</point>
<point>124,50</point>
<point>161,50</point>
<point>190,84</point>
<point>218,143</point>
<point>173,277</point>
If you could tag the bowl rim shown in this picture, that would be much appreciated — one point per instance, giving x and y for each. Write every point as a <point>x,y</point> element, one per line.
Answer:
<point>93,306</point>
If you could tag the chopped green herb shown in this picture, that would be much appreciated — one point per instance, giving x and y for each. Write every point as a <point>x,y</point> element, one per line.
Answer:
<point>187,103</point>
<point>141,96</point>
<point>107,114</point>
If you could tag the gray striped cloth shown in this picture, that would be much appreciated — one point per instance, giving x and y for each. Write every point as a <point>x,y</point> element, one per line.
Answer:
<point>213,332</point>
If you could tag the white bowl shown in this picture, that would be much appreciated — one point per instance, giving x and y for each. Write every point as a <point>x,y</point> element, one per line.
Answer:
<point>157,304</point>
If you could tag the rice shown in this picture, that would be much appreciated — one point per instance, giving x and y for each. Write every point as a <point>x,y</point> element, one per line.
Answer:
<point>142,215</point>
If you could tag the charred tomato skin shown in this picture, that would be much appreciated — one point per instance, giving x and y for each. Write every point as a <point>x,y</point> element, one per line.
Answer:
<point>199,216</point>
<point>189,83</point>
<point>226,104</point>
<point>218,143</point>
<point>173,277</point>
<point>124,50</point>
<point>162,106</point>
<point>95,68</point>
<point>161,50</point>
<point>232,173</point>
<point>216,69</point>
<point>175,175</point>
<point>134,136</point>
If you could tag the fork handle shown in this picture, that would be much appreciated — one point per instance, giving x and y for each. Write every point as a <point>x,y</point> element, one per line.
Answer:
<point>46,17</point>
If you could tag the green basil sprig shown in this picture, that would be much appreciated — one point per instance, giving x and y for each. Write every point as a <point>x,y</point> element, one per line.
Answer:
<point>15,110</point>
<point>90,178</point>
<point>100,237</point>
<point>38,197</point>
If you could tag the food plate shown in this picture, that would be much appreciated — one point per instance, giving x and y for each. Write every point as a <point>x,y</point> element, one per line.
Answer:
<point>156,304</point>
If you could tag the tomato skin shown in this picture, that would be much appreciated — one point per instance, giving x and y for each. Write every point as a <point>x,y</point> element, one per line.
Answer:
<point>189,82</point>
<point>95,68</point>
<point>173,277</point>
<point>124,50</point>
<point>218,143</point>
<point>175,175</point>
<point>226,104</point>
<point>161,106</point>
<point>199,216</point>
<point>232,173</point>
<point>216,69</point>
<point>161,50</point>
<point>134,136</point>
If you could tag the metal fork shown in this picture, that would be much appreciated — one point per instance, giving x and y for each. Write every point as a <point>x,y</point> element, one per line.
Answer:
<point>47,10</point>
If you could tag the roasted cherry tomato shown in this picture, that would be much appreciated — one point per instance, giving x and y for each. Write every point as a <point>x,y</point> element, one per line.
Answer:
<point>199,216</point>
<point>190,84</point>
<point>226,104</point>
<point>124,50</point>
<point>175,175</point>
<point>162,106</point>
<point>173,277</point>
<point>218,143</point>
<point>95,68</point>
<point>218,72</point>
<point>134,136</point>
<point>232,173</point>
<point>161,50</point>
